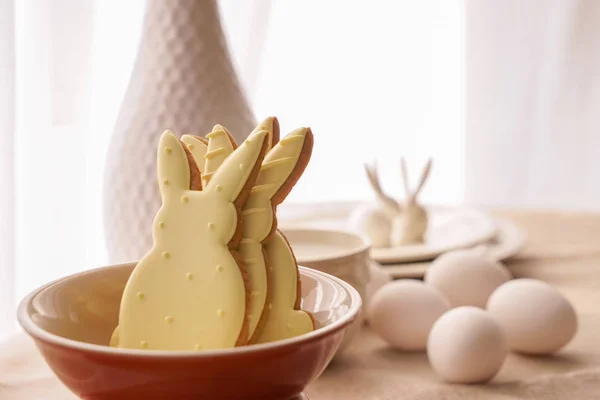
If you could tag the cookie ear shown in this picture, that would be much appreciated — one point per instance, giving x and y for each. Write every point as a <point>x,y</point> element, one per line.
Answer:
<point>271,125</point>
<point>284,164</point>
<point>198,146</point>
<point>173,165</point>
<point>220,145</point>
<point>233,175</point>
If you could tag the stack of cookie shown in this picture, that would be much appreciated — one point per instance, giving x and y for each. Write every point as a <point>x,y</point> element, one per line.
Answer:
<point>220,274</point>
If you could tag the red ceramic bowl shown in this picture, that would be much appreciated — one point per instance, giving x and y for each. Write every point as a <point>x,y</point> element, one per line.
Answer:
<point>71,321</point>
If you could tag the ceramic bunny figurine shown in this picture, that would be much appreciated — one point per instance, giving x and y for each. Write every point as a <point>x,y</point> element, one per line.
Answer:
<point>390,223</point>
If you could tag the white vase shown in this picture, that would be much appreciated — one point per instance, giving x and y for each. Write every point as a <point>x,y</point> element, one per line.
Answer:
<point>183,80</point>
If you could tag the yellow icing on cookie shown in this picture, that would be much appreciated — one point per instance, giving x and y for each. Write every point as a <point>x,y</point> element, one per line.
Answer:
<point>219,149</point>
<point>283,321</point>
<point>267,125</point>
<point>194,298</point>
<point>258,218</point>
<point>276,162</point>
<point>220,146</point>
<point>114,339</point>
<point>251,246</point>
<point>197,148</point>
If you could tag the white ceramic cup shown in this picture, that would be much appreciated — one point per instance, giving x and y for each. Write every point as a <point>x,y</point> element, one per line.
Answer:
<point>342,254</point>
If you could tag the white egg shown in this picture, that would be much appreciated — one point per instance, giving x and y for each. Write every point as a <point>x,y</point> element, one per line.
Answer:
<point>466,345</point>
<point>537,318</point>
<point>466,277</point>
<point>402,312</point>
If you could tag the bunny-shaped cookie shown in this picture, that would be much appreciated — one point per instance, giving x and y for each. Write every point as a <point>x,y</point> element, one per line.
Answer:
<point>282,167</point>
<point>391,223</point>
<point>189,292</point>
<point>250,249</point>
<point>272,274</point>
<point>198,146</point>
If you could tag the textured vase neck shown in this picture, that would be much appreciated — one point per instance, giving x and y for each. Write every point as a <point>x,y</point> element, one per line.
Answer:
<point>186,29</point>
<point>183,80</point>
<point>184,59</point>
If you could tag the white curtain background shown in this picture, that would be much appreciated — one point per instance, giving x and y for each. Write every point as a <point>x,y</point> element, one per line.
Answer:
<point>533,95</point>
<point>7,170</point>
<point>374,80</point>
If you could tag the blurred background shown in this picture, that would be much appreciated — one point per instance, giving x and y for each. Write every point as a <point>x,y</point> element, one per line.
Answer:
<point>502,95</point>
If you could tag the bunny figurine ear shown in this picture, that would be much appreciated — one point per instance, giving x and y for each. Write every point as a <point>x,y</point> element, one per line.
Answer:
<point>411,196</point>
<point>177,170</point>
<point>423,179</point>
<point>405,180</point>
<point>386,200</point>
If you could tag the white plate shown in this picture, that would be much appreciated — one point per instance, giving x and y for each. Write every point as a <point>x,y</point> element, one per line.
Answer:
<point>450,228</point>
<point>507,243</point>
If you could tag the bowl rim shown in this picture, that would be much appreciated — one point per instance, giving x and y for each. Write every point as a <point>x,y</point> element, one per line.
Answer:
<point>365,246</point>
<point>38,333</point>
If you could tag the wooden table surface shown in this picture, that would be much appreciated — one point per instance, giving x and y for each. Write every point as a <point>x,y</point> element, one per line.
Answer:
<point>562,249</point>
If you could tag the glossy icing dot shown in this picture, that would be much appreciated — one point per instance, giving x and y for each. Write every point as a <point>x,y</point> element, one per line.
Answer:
<point>242,166</point>
<point>168,319</point>
<point>189,276</point>
<point>219,188</point>
<point>144,344</point>
<point>211,225</point>
<point>166,254</point>
<point>197,347</point>
<point>220,313</point>
<point>167,150</point>
<point>289,327</point>
<point>166,182</point>
<point>270,306</point>
<point>140,295</point>
<point>161,224</point>
<point>185,199</point>
<point>219,268</point>
<point>191,146</point>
